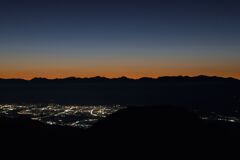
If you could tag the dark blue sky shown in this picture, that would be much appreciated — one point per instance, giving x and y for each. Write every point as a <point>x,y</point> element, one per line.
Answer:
<point>115,38</point>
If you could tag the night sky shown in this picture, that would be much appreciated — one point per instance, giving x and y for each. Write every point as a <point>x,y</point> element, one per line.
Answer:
<point>144,38</point>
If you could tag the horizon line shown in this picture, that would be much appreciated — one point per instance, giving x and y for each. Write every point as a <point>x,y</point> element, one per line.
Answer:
<point>105,77</point>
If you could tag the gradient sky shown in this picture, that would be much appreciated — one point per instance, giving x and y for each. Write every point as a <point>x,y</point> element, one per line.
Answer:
<point>144,38</point>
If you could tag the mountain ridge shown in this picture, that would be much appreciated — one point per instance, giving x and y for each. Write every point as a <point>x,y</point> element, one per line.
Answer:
<point>200,92</point>
<point>124,78</point>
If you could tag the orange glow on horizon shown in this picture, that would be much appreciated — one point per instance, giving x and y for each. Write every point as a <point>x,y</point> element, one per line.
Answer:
<point>132,66</point>
<point>113,73</point>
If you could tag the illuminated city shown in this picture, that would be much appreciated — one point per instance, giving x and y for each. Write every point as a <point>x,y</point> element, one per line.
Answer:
<point>212,116</point>
<point>79,115</point>
<point>66,115</point>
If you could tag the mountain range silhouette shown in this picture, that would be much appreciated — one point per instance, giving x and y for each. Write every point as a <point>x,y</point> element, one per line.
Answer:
<point>159,114</point>
<point>201,92</point>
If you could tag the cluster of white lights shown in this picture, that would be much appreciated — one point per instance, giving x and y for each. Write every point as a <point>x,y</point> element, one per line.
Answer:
<point>54,114</point>
<point>218,117</point>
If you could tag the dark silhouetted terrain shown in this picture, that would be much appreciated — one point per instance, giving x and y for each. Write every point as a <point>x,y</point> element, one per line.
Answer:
<point>131,132</point>
<point>202,92</point>
<point>148,123</point>
<point>144,127</point>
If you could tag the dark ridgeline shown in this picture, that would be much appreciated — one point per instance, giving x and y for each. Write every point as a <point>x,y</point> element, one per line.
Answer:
<point>142,127</point>
<point>201,92</point>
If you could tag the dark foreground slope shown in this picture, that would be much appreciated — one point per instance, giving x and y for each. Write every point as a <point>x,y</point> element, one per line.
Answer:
<point>159,124</point>
<point>23,127</point>
<point>134,127</point>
